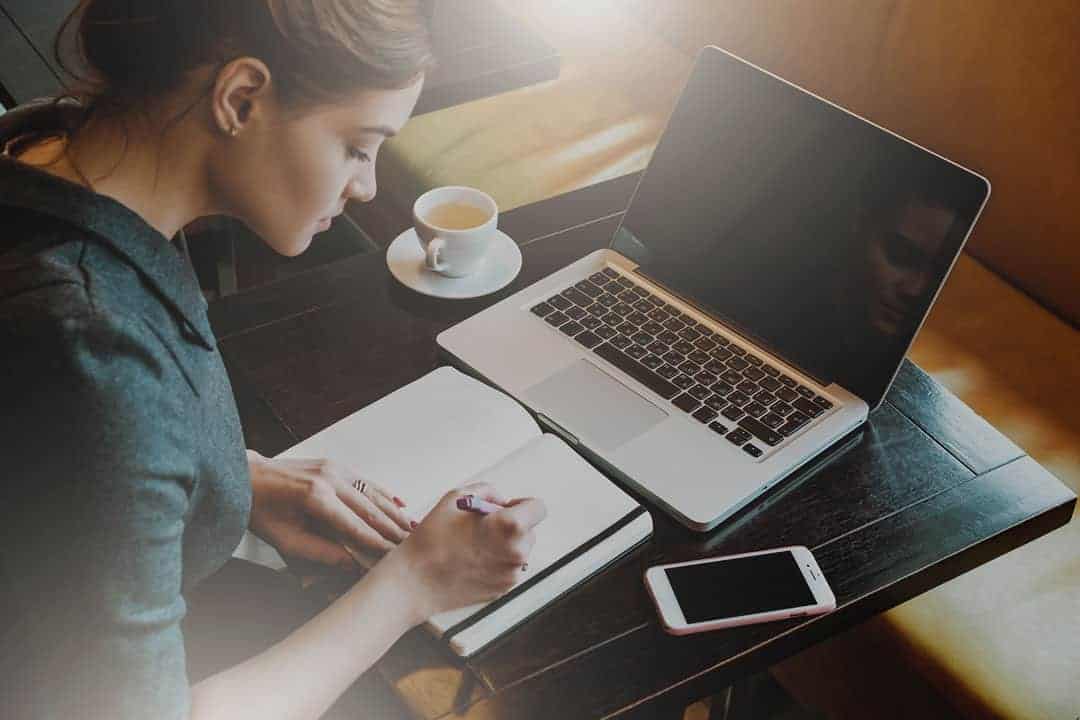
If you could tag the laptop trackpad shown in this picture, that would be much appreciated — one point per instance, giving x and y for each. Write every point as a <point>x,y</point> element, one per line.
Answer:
<point>593,406</point>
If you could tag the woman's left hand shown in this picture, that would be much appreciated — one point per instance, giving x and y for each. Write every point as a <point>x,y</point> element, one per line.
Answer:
<point>310,509</point>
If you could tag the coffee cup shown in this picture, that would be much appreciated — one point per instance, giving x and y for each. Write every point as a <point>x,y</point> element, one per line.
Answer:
<point>456,227</point>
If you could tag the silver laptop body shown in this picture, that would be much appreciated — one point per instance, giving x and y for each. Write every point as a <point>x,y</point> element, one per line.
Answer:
<point>675,443</point>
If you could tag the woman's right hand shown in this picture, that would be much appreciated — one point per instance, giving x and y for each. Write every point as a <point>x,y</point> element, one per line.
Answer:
<point>455,558</point>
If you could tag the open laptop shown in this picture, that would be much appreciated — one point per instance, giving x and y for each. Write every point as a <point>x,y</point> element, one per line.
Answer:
<point>774,265</point>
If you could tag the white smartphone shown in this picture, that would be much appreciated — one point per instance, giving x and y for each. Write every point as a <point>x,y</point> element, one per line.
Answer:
<point>754,587</point>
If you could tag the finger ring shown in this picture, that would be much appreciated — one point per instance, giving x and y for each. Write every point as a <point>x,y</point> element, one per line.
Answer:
<point>360,486</point>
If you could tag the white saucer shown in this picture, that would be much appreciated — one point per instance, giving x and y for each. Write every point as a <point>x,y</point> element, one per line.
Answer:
<point>405,258</point>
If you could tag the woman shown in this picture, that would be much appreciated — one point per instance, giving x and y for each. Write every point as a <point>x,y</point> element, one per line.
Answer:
<point>125,479</point>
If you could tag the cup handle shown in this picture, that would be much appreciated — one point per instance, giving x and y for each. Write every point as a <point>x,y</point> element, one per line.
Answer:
<point>431,254</point>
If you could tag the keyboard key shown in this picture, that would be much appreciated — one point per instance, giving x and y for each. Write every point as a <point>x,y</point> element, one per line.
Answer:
<point>689,368</point>
<point>653,328</point>
<point>721,388</point>
<point>715,402</point>
<point>752,450</point>
<point>585,287</point>
<point>674,324</point>
<point>613,274</point>
<point>575,313</point>
<point>738,436</point>
<point>794,423</point>
<point>753,373</point>
<point>556,319</point>
<point>818,400</point>
<point>721,354</point>
<point>591,323</point>
<point>805,392</point>
<point>763,433</point>
<point>765,397</point>
<point>667,336</point>
<point>598,311</point>
<point>737,363</point>
<point>542,309</point>
<point>620,341</point>
<point>656,347</point>
<point>636,351</point>
<point>658,315</point>
<point>599,279</point>
<point>571,328</point>
<point>667,372</point>
<point>720,339</point>
<point>704,415</point>
<point>754,359</point>
<point>772,420</point>
<point>636,370</point>
<point>731,377</point>
<point>782,408</point>
<point>643,305</point>
<point>748,388</point>
<point>559,302</point>
<point>807,407</point>
<point>786,394</point>
<point>606,331</point>
<point>705,344</point>
<point>770,384</point>
<point>588,339</point>
<point>624,281</point>
<point>576,297</point>
<point>770,370</point>
<point>621,309</point>
<point>705,378</point>
<point>789,381</point>
<point>715,367</point>
<point>686,403</point>
<point>755,409</point>
<point>717,427</point>
<point>700,392</point>
<point>682,381</point>
<point>627,296</point>
<point>674,358</point>
<point>689,334</point>
<point>732,412</point>
<point>737,398</point>
<point>651,361</point>
<point>642,338</point>
<point>607,300</point>
<point>736,349</point>
<point>699,357</point>
<point>643,292</point>
<point>682,346</point>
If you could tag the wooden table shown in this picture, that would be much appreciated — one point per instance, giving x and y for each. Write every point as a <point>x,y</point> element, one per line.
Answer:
<point>927,491</point>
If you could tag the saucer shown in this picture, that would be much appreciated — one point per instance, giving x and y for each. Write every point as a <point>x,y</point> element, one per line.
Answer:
<point>405,258</point>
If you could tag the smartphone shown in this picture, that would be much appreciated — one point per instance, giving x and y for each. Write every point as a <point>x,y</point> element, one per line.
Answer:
<point>754,587</point>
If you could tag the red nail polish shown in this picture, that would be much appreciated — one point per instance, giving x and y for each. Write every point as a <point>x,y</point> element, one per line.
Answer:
<point>413,524</point>
<point>399,502</point>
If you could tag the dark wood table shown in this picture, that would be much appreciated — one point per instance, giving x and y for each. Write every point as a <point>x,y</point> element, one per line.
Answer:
<point>926,491</point>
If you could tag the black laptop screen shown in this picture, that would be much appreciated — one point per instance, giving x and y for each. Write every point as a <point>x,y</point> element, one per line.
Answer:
<point>809,230</point>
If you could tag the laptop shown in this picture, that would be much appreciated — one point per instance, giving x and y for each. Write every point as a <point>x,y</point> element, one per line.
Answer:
<point>771,271</point>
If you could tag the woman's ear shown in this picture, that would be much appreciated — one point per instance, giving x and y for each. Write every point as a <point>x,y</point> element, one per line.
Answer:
<point>241,93</point>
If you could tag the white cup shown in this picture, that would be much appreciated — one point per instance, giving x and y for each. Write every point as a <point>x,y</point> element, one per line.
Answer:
<point>455,252</point>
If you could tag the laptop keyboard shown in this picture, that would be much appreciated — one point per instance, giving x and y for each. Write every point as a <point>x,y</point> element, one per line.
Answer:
<point>738,395</point>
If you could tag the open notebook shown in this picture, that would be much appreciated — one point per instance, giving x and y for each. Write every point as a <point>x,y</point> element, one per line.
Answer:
<point>447,429</point>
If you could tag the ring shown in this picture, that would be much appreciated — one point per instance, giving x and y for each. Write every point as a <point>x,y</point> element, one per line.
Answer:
<point>360,486</point>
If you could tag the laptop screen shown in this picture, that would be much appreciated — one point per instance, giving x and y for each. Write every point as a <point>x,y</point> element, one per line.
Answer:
<point>807,229</point>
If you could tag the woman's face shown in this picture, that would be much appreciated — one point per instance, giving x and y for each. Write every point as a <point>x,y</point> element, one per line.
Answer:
<point>287,175</point>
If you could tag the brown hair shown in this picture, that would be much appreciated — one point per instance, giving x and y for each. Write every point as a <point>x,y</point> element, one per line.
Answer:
<point>125,52</point>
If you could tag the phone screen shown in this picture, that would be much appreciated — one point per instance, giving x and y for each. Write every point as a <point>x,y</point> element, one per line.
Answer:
<point>742,586</point>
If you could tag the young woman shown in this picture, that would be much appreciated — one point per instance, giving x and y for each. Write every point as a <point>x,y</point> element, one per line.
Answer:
<point>125,479</point>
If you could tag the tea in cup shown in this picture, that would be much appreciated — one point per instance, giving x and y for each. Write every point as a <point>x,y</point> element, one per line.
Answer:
<point>456,226</point>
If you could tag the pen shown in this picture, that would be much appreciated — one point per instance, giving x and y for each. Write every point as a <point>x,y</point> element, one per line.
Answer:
<point>471,503</point>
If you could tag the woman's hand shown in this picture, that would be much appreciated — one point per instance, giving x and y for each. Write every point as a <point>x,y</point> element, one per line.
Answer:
<point>309,509</point>
<point>457,558</point>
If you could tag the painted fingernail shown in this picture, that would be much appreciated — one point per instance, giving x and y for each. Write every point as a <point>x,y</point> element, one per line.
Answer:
<point>399,502</point>
<point>413,524</point>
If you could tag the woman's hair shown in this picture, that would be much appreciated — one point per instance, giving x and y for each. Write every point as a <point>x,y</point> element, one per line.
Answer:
<point>124,53</point>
